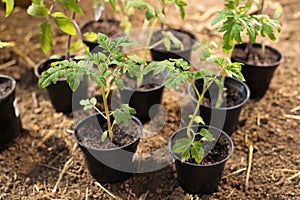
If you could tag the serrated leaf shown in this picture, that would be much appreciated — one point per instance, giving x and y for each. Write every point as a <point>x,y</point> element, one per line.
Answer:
<point>197,151</point>
<point>38,10</point>
<point>206,134</point>
<point>222,15</point>
<point>119,83</point>
<point>174,78</point>
<point>98,78</point>
<point>64,23</point>
<point>70,5</point>
<point>45,36</point>
<point>124,41</point>
<point>74,77</point>
<point>123,114</point>
<point>9,6</point>
<point>51,76</point>
<point>235,70</point>
<point>136,59</point>
<point>157,67</point>
<point>182,145</point>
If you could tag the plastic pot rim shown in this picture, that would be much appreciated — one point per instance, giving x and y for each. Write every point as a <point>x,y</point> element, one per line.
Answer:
<point>53,57</point>
<point>190,90</point>
<point>111,149</point>
<point>162,85</point>
<point>12,89</point>
<point>275,64</point>
<point>201,165</point>
<point>191,35</point>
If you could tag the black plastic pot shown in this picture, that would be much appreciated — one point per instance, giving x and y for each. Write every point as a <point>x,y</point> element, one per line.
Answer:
<point>144,101</point>
<point>159,54</point>
<point>60,94</point>
<point>224,118</point>
<point>109,165</point>
<point>198,178</point>
<point>258,78</point>
<point>10,122</point>
<point>93,45</point>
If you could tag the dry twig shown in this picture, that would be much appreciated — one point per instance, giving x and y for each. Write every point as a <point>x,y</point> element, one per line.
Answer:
<point>8,64</point>
<point>105,190</point>
<point>235,172</point>
<point>23,55</point>
<point>34,99</point>
<point>249,166</point>
<point>292,116</point>
<point>295,109</point>
<point>66,166</point>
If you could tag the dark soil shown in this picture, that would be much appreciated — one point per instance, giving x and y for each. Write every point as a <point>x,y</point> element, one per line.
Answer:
<point>90,134</point>
<point>5,87</point>
<point>37,161</point>
<point>149,82</point>
<point>109,27</point>
<point>217,154</point>
<point>255,56</point>
<point>230,98</point>
<point>184,38</point>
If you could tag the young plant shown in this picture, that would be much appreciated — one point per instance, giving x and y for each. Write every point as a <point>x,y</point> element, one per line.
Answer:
<point>152,15</point>
<point>66,24</point>
<point>102,76</point>
<point>179,71</point>
<point>236,21</point>
<point>9,6</point>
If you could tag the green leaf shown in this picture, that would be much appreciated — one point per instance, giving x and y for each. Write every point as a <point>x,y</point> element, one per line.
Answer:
<point>9,6</point>
<point>235,70</point>
<point>181,64</point>
<point>98,78</point>
<point>197,119</point>
<point>119,83</point>
<point>181,4</point>
<point>51,76</point>
<point>104,136</point>
<point>74,77</point>
<point>136,59</point>
<point>38,10</point>
<point>88,103</point>
<point>174,78</point>
<point>90,36</point>
<point>123,114</point>
<point>113,4</point>
<point>124,41</point>
<point>45,36</point>
<point>222,15</point>
<point>70,5</point>
<point>181,145</point>
<point>206,134</point>
<point>64,23</point>
<point>197,151</point>
<point>157,67</point>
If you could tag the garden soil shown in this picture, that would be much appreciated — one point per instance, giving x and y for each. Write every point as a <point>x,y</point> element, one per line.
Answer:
<point>46,163</point>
